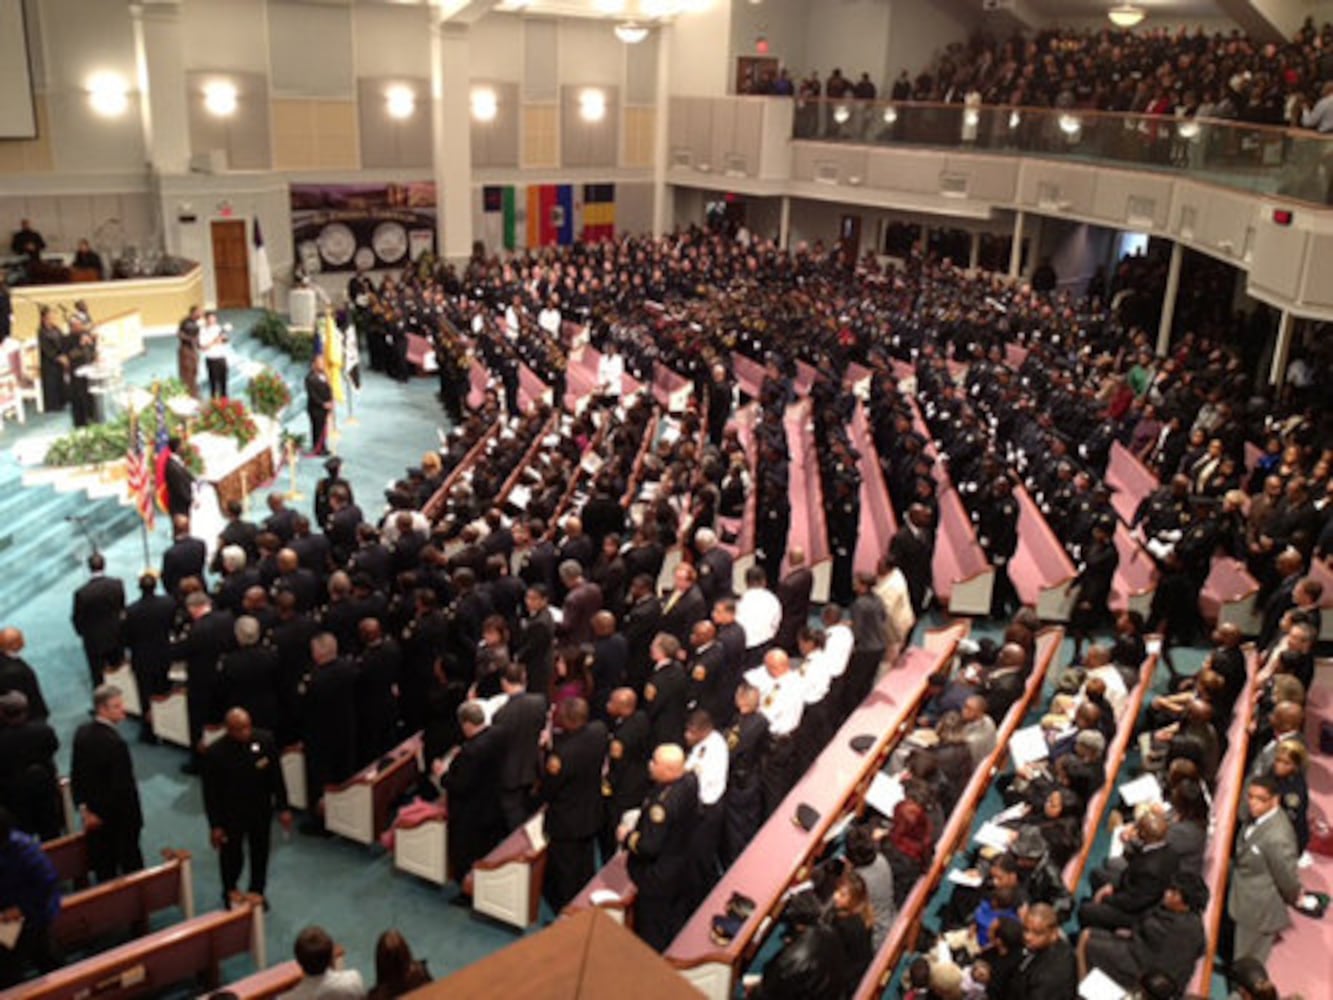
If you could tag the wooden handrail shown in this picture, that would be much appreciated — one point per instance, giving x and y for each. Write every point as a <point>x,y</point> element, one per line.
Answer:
<point>440,496</point>
<point>513,479</point>
<point>645,446</point>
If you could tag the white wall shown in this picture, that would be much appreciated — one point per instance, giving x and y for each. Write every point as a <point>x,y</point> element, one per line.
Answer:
<point>226,34</point>
<point>851,35</point>
<point>497,48</point>
<point>588,52</point>
<point>781,22</point>
<point>390,41</point>
<point>918,31</point>
<point>699,46</point>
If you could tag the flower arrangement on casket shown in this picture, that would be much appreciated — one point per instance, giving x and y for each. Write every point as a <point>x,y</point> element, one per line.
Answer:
<point>228,418</point>
<point>268,393</point>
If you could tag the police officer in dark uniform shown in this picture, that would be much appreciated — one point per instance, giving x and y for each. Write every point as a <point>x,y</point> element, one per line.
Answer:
<point>997,531</point>
<point>243,788</point>
<point>571,787</point>
<point>628,751</point>
<point>665,693</point>
<point>659,848</point>
<point>707,674</point>
<point>323,507</point>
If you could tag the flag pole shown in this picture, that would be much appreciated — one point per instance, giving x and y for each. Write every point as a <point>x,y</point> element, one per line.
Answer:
<point>147,557</point>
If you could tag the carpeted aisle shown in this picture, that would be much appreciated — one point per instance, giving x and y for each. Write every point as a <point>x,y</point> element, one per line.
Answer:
<point>350,890</point>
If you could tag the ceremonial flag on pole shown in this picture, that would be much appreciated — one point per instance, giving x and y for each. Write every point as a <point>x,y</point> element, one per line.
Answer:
<point>137,473</point>
<point>162,454</point>
<point>263,272</point>
<point>328,345</point>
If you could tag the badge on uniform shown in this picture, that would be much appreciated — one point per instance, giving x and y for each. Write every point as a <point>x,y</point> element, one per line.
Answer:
<point>553,764</point>
<point>657,813</point>
<point>699,673</point>
<point>617,750</point>
<point>649,692</point>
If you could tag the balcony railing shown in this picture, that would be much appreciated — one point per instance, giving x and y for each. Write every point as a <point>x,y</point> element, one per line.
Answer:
<point>1258,158</point>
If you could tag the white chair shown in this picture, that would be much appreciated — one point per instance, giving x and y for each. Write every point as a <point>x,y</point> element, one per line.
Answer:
<point>11,402</point>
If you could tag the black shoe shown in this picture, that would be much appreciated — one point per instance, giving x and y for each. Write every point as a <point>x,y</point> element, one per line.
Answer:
<point>148,738</point>
<point>189,767</point>
<point>462,899</point>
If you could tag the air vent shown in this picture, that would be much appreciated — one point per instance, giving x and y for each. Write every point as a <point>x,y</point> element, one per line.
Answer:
<point>1141,212</point>
<point>953,185</point>
<point>827,173</point>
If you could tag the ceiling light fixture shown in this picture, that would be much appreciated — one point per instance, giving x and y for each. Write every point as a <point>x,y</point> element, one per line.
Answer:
<point>220,98</point>
<point>1126,15</point>
<point>631,33</point>
<point>592,105</point>
<point>108,94</point>
<point>485,104</point>
<point>400,101</point>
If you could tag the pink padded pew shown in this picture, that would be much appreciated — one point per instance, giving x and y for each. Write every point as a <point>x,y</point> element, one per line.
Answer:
<point>1129,479</point>
<point>506,884</point>
<point>1015,355</point>
<point>805,378</point>
<point>807,529</point>
<point>749,374</point>
<point>1228,595</point>
<point>1040,568</point>
<point>781,851</point>
<point>420,354</point>
<point>1135,579</point>
<point>531,389</point>
<point>1226,800</point>
<point>671,390</point>
<point>1321,570</point>
<point>857,380</point>
<point>902,934</point>
<point>611,889</point>
<point>361,807</point>
<point>878,524</point>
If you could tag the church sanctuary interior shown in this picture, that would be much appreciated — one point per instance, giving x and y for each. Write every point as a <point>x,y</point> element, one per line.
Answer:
<point>741,499</point>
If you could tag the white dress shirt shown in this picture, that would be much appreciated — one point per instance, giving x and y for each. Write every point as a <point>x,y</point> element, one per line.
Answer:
<point>816,677</point>
<point>708,760</point>
<point>611,374</point>
<point>760,613</point>
<point>781,699</point>
<point>838,643</point>
<point>549,320</point>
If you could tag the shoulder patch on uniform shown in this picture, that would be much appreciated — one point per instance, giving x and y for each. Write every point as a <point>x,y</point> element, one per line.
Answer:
<point>700,672</point>
<point>649,692</point>
<point>733,739</point>
<point>657,813</point>
<point>617,750</point>
<point>553,764</point>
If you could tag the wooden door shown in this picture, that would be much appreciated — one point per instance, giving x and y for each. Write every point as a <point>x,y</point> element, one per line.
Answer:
<point>231,264</point>
<point>849,237</point>
<point>755,74</point>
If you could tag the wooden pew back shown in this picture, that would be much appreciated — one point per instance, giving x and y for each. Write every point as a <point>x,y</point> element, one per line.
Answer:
<point>124,902</point>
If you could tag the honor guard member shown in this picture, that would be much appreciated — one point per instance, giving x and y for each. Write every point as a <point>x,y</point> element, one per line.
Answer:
<point>659,848</point>
<point>747,741</point>
<point>665,693</point>
<point>571,787</point>
<point>707,761</point>
<point>243,788</point>
<point>628,750</point>
<point>781,701</point>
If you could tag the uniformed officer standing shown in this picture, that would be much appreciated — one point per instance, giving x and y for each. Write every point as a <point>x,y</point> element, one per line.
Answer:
<point>997,530</point>
<point>572,790</point>
<point>747,741</point>
<point>707,761</point>
<point>626,780</point>
<point>243,788</point>
<point>782,701</point>
<point>664,696</point>
<point>659,848</point>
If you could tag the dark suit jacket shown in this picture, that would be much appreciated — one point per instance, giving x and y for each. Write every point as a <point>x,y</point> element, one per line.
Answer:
<point>793,593</point>
<point>913,555</point>
<point>572,785</point>
<point>535,649</point>
<point>180,487</point>
<point>16,675</point>
<point>664,701</point>
<point>1144,880</point>
<point>520,721</point>
<point>580,605</point>
<point>102,776</point>
<point>475,822</point>
<point>642,621</point>
<point>1050,974</point>
<point>185,557</point>
<point>679,618</point>
<point>97,607</point>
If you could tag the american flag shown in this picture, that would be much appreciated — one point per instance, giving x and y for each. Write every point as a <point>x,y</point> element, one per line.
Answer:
<point>138,474</point>
<point>162,454</point>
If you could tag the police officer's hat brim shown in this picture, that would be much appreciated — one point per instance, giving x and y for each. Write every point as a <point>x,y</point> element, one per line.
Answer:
<point>806,817</point>
<point>862,742</point>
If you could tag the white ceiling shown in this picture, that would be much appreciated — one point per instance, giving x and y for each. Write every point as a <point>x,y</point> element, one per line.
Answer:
<point>1176,10</point>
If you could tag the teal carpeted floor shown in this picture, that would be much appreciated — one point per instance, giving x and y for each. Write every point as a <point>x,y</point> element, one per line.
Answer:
<point>351,890</point>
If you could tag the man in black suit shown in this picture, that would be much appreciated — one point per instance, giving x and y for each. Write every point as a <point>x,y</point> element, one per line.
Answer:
<point>325,487</point>
<point>659,848</point>
<point>571,788</point>
<point>664,696</point>
<point>248,676</point>
<point>912,549</point>
<point>97,608</point>
<point>238,531</point>
<point>281,520</point>
<point>707,681</point>
<point>318,405</point>
<point>343,521</point>
<point>643,620</point>
<point>328,714</point>
<point>520,722</point>
<point>29,787</point>
<point>243,788</point>
<point>180,482</point>
<point>313,551</point>
<point>627,756</point>
<point>1289,566</point>
<point>295,579</point>
<point>184,557</point>
<point>583,599</point>
<point>377,670</point>
<point>793,594</point>
<point>1048,969</point>
<point>715,566</point>
<point>1005,682</point>
<point>684,606</point>
<point>237,578</point>
<point>16,675</point>
<point>1140,886</point>
<point>536,639</point>
<point>470,777</point>
<point>104,789</point>
<point>211,634</point>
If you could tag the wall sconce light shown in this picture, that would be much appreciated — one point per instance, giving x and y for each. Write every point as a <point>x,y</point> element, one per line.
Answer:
<point>592,105</point>
<point>890,115</point>
<point>484,103</point>
<point>841,113</point>
<point>1070,125</point>
<point>400,102</point>
<point>220,98</point>
<point>108,93</point>
<point>631,33</point>
<point>1014,119</point>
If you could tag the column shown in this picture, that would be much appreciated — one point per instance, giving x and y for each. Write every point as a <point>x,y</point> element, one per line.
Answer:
<point>923,242</point>
<point>784,223</point>
<point>451,120</point>
<point>1277,373</point>
<point>1016,247</point>
<point>974,252</point>
<point>163,100</point>
<point>663,209</point>
<point>1169,300</point>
